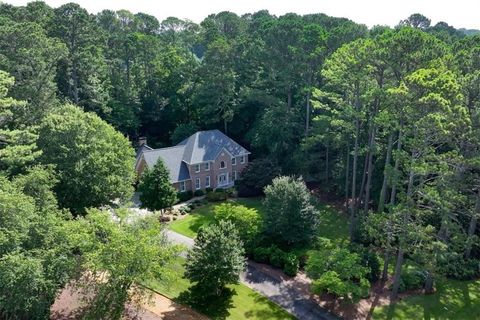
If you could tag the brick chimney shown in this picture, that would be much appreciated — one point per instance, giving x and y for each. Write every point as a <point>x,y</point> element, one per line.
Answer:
<point>142,141</point>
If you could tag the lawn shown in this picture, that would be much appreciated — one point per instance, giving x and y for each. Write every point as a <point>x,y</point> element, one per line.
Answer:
<point>203,215</point>
<point>453,300</point>
<point>244,303</point>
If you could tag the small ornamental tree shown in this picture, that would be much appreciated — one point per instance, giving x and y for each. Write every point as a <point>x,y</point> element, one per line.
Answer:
<point>216,260</point>
<point>339,272</point>
<point>157,192</point>
<point>247,221</point>
<point>256,176</point>
<point>290,217</point>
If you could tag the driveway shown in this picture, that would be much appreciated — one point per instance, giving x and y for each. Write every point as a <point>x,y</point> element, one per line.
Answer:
<point>289,293</point>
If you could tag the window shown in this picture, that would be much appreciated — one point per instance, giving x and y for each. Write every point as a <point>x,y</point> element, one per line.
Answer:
<point>207,182</point>
<point>234,175</point>
<point>234,161</point>
<point>242,159</point>
<point>197,168</point>
<point>207,166</point>
<point>222,165</point>
<point>197,183</point>
<point>182,186</point>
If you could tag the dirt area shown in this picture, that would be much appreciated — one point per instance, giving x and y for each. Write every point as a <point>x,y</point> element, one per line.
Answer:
<point>68,306</point>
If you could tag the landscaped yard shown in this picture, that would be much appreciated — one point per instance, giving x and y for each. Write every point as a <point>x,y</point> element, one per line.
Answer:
<point>453,300</point>
<point>244,304</point>
<point>189,225</point>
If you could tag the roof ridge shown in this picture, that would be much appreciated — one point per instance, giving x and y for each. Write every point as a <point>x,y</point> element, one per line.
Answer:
<point>172,147</point>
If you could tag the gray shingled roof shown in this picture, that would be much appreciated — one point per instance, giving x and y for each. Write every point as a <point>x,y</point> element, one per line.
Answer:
<point>206,145</point>
<point>199,147</point>
<point>172,158</point>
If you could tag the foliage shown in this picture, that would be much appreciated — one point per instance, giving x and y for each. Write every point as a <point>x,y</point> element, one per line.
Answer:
<point>275,256</point>
<point>338,271</point>
<point>156,189</point>
<point>247,221</point>
<point>290,217</point>
<point>118,255</point>
<point>185,195</point>
<point>199,193</point>
<point>217,195</point>
<point>255,177</point>
<point>182,132</point>
<point>36,252</point>
<point>216,260</point>
<point>93,161</point>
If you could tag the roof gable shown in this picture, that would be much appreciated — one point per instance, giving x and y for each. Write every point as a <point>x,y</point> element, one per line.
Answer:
<point>206,145</point>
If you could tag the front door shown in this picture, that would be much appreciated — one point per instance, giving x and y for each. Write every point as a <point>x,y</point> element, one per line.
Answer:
<point>222,179</point>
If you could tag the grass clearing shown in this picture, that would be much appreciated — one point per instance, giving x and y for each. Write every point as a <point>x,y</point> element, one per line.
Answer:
<point>244,303</point>
<point>453,300</point>
<point>203,215</point>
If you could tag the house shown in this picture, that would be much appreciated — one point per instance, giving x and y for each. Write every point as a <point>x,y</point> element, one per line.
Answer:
<point>206,159</point>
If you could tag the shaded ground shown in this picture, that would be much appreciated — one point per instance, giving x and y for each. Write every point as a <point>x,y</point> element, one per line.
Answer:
<point>68,306</point>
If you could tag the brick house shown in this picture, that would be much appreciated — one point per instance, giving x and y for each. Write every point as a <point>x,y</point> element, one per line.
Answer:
<point>206,159</point>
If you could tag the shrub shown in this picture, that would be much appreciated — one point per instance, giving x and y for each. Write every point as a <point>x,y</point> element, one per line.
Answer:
<point>277,257</point>
<point>261,254</point>
<point>412,280</point>
<point>338,271</point>
<point>290,216</point>
<point>247,221</point>
<point>290,264</point>
<point>256,176</point>
<point>370,261</point>
<point>185,195</point>
<point>208,190</point>
<point>199,193</point>
<point>216,196</point>
<point>174,218</point>
<point>461,269</point>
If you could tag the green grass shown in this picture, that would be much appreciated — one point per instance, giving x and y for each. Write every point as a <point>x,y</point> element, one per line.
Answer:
<point>453,300</point>
<point>203,215</point>
<point>244,303</point>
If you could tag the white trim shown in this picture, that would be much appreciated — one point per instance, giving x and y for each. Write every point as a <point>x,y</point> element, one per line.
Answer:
<point>198,184</point>
<point>207,163</point>
<point>234,175</point>
<point>234,161</point>
<point>197,168</point>
<point>226,175</point>
<point>183,186</point>
<point>207,178</point>
<point>242,159</point>
<point>225,165</point>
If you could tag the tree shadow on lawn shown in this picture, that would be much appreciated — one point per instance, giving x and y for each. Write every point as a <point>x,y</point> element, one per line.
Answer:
<point>215,307</point>
<point>453,300</point>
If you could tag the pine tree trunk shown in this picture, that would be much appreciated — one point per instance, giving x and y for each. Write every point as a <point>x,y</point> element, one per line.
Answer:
<point>397,275</point>
<point>347,176</point>
<point>388,157</point>
<point>327,151</point>
<point>307,114</point>
<point>369,173</point>
<point>289,98</point>
<point>362,185</point>
<point>393,194</point>
<point>429,283</point>
<point>355,162</point>
<point>386,258</point>
<point>472,227</point>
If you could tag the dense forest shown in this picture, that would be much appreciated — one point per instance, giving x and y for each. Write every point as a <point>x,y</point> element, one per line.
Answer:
<point>387,119</point>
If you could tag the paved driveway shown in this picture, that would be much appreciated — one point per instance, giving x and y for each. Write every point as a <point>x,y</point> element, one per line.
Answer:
<point>278,289</point>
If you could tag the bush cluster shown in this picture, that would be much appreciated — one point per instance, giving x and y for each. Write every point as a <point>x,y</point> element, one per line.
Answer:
<point>199,193</point>
<point>275,256</point>
<point>185,195</point>
<point>217,195</point>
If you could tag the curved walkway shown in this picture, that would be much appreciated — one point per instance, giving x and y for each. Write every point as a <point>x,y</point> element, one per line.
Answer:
<point>289,293</point>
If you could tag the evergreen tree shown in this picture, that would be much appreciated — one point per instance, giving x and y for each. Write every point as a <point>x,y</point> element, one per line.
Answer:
<point>157,192</point>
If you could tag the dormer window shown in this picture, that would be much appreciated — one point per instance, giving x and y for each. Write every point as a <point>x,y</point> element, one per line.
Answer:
<point>207,166</point>
<point>197,168</point>
<point>222,165</point>
<point>234,161</point>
